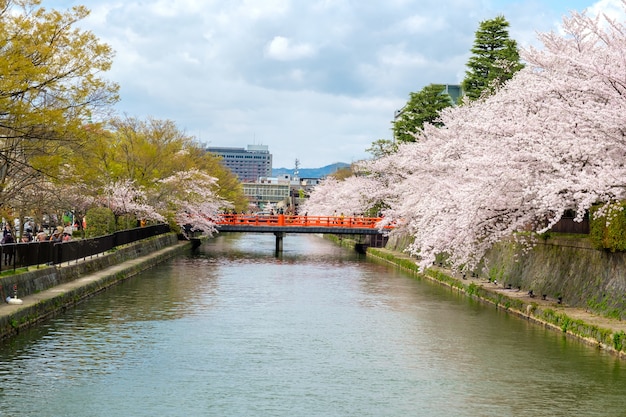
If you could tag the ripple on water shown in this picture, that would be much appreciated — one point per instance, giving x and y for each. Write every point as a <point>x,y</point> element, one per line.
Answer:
<point>233,330</point>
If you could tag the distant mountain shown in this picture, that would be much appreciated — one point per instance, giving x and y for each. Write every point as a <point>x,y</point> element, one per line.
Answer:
<point>311,172</point>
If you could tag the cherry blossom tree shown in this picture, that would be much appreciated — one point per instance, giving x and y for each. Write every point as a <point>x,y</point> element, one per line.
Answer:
<point>190,199</point>
<point>124,197</point>
<point>551,139</point>
<point>352,195</point>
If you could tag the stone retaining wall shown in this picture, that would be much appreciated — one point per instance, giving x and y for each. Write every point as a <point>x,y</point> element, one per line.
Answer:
<point>31,284</point>
<point>608,336</point>
<point>564,267</point>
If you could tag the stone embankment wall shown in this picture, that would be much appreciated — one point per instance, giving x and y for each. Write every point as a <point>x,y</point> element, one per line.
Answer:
<point>564,267</point>
<point>33,284</point>
<point>589,282</point>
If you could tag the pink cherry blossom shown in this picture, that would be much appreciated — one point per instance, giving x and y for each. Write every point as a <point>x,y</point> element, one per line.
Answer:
<point>551,139</point>
<point>190,198</point>
<point>124,197</point>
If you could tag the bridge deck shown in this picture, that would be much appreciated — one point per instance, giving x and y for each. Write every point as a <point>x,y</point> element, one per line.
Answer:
<point>299,224</point>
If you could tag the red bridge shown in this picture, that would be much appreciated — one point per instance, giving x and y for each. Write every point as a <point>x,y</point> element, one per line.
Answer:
<point>303,224</point>
<point>281,224</point>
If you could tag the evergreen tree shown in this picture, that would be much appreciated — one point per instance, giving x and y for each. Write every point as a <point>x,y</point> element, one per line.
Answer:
<point>382,147</point>
<point>494,61</point>
<point>422,107</point>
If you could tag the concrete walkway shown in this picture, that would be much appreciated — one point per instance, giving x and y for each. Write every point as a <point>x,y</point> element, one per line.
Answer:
<point>575,313</point>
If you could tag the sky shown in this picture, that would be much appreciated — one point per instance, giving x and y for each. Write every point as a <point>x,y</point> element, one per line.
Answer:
<point>315,80</point>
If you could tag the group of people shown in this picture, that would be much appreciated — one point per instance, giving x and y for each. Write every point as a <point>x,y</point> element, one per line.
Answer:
<point>59,234</point>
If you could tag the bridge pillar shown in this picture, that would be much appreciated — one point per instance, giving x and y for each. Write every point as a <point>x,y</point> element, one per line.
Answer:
<point>279,241</point>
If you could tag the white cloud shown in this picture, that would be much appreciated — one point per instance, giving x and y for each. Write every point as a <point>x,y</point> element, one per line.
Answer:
<point>419,24</point>
<point>316,80</point>
<point>614,9</point>
<point>282,49</point>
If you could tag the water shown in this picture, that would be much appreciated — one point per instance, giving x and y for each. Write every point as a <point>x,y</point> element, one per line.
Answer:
<point>234,331</point>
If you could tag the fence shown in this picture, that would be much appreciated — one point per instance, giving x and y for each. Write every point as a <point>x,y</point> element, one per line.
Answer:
<point>568,225</point>
<point>17,255</point>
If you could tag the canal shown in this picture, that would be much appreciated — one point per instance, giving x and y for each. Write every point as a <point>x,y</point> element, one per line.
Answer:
<point>233,330</point>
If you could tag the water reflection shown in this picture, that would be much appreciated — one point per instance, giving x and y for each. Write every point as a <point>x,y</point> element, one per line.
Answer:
<point>233,330</point>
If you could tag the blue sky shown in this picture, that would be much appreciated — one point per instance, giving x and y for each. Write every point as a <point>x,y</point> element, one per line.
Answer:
<point>315,80</point>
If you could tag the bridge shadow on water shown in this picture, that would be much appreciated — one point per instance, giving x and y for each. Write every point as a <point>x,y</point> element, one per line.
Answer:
<point>259,247</point>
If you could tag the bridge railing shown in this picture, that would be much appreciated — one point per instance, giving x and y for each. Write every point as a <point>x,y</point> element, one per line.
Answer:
<point>300,221</point>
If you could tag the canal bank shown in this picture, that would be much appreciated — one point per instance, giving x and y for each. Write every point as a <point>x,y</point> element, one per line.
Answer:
<point>47,290</point>
<point>51,289</point>
<point>594,329</point>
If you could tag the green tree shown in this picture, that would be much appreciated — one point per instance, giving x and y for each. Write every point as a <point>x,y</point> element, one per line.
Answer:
<point>50,85</point>
<point>422,107</point>
<point>382,147</point>
<point>495,59</point>
<point>342,173</point>
<point>100,222</point>
<point>145,152</point>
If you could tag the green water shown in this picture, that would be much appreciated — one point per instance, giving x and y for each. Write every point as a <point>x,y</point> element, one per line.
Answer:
<point>234,331</point>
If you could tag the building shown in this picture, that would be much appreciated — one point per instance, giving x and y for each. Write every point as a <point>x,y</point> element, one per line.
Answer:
<point>248,164</point>
<point>266,193</point>
<point>284,192</point>
<point>455,91</point>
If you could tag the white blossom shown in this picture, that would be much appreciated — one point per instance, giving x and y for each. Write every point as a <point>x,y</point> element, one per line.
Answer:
<point>551,139</point>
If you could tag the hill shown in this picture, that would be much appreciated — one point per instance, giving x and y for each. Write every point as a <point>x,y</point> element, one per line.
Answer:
<point>311,172</point>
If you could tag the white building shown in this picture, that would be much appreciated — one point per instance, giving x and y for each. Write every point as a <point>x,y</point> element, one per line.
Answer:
<point>248,164</point>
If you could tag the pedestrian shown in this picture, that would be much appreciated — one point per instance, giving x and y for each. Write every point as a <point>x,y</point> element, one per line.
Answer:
<point>9,249</point>
<point>27,236</point>
<point>57,236</point>
<point>6,230</point>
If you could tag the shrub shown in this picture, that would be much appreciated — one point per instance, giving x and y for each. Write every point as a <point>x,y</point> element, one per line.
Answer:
<point>618,340</point>
<point>126,221</point>
<point>100,222</point>
<point>607,227</point>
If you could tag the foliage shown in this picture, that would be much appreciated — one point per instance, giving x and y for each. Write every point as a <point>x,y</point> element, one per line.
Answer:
<point>342,173</point>
<point>422,107</point>
<point>153,150</point>
<point>495,59</point>
<point>618,340</point>
<point>607,226</point>
<point>382,147</point>
<point>51,85</point>
<point>548,141</point>
<point>100,222</point>
<point>126,169</point>
<point>126,221</point>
